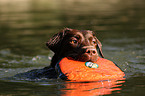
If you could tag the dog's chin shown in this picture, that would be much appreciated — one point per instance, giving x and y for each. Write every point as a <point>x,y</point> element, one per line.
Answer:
<point>86,58</point>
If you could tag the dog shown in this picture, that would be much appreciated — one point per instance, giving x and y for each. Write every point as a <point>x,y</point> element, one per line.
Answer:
<point>81,45</point>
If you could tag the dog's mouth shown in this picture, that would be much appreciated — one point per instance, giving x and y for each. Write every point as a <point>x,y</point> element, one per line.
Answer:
<point>84,54</point>
<point>84,57</point>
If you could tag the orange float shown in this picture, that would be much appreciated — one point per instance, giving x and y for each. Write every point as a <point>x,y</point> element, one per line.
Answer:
<point>102,69</point>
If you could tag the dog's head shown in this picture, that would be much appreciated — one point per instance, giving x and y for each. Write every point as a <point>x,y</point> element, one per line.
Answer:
<point>81,45</point>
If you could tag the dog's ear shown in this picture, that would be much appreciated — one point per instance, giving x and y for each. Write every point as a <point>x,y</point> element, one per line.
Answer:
<point>99,47</point>
<point>54,43</point>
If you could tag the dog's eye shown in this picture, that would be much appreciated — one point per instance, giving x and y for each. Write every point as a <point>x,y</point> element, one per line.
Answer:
<point>74,41</point>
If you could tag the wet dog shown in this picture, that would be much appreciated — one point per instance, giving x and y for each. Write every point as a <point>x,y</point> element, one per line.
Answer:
<point>81,45</point>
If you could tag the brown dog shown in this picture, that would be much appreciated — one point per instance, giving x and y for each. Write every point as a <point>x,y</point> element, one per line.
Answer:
<point>81,45</point>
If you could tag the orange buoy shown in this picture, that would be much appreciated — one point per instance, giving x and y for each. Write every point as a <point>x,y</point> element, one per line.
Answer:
<point>102,69</point>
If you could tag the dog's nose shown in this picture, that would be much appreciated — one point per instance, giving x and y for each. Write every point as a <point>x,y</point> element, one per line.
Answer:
<point>91,51</point>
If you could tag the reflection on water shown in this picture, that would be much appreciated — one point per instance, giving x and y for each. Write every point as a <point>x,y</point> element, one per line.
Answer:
<point>25,26</point>
<point>92,88</point>
<point>60,88</point>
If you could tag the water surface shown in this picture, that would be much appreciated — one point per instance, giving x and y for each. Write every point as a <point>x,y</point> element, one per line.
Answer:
<point>26,25</point>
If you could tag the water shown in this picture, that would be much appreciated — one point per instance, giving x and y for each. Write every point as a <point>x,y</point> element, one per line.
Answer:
<point>25,26</point>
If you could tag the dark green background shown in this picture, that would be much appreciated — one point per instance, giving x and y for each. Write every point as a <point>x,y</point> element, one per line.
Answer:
<point>26,25</point>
